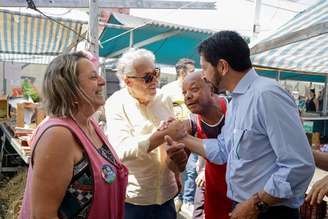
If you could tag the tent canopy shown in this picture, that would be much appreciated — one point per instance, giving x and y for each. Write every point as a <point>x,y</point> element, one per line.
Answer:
<point>35,39</point>
<point>300,45</point>
<point>290,75</point>
<point>169,42</point>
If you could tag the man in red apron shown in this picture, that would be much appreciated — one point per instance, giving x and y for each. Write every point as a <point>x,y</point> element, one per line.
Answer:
<point>206,122</point>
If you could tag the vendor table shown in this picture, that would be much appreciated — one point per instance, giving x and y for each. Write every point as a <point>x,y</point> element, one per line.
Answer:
<point>10,149</point>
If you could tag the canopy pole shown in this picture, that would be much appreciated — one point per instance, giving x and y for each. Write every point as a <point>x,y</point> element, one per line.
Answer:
<point>256,25</point>
<point>93,27</point>
<point>131,39</point>
<point>278,75</point>
<point>4,85</point>
<point>324,108</point>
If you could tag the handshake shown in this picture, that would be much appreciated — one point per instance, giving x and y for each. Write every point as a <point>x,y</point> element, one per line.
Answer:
<point>174,131</point>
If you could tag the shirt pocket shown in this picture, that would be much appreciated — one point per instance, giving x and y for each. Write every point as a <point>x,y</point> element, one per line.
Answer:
<point>248,144</point>
<point>237,138</point>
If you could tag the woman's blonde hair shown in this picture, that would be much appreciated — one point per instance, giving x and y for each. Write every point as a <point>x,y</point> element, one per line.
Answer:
<point>61,89</point>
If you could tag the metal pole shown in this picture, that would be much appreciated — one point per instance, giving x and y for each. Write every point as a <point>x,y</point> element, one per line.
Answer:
<point>256,25</point>
<point>145,4</point>
<point>93,27</point>
<point>131,39</point>
<point>93,36</point>
<point>278,75</point>
<point>324,107</point>
<point>4,85</point>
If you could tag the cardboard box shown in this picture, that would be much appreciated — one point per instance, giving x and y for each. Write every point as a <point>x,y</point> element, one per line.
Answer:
<point>20,115</point>
<point>38,115</point>
<point>315,139</point>
<point>4,108</point>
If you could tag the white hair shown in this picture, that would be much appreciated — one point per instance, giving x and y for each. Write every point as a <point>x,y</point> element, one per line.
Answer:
<point>125,65</point>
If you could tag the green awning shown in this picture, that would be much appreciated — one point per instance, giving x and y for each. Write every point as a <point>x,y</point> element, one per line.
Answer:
<point>289,75</point>
<point>169,42</point>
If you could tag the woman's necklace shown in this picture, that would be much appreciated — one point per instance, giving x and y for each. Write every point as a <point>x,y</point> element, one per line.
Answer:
<point>90,134</point>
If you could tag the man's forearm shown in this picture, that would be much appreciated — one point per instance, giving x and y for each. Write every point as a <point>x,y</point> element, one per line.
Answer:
<point>156,139</point>
<point>194,144</point>
<point>268,199</point>
<point>321,159</point>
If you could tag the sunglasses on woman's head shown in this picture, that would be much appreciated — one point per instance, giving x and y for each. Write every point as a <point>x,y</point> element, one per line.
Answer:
<point>149,76</point>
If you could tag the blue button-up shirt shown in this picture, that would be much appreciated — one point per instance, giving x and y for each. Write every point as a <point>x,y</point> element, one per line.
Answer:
<point>263,143</point>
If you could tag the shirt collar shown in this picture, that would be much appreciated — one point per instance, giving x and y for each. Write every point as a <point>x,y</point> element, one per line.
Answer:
<point>245,82</point>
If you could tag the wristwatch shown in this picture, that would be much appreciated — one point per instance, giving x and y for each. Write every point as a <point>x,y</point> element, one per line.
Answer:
<point>260,205</point>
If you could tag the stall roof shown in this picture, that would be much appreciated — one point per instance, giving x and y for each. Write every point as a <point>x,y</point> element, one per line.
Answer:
<point>168,41</point>
<point>34,39</point>
<point>300,45</point>
<point>290,75</point>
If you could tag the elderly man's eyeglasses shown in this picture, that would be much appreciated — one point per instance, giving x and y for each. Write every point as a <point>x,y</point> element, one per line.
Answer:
<point>149,76</point>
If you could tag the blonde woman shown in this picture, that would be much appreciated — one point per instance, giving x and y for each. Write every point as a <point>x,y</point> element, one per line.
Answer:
<point>74,171</point>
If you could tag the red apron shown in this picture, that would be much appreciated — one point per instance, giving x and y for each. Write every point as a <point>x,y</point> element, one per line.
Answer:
<point>217,205</point>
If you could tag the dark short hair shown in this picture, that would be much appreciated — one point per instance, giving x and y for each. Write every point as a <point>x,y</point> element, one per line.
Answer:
<point>227,45</point>
<point>182,63</point>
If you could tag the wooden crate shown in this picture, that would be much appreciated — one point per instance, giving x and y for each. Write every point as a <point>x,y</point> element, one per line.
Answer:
<point>40,115</point>
<point>4,108</point>
<point>20,115</point>
<point>21,107</point>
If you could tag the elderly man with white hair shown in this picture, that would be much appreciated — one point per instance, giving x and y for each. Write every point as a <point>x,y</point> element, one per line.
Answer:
<point>133,115</point>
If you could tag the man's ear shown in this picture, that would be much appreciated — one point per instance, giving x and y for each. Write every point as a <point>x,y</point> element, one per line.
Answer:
<point>223,66</point>
<point>182,73</point>
<point>127,81</point>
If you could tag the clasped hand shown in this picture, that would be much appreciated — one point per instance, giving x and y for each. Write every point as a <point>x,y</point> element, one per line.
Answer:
<point>176,129</point>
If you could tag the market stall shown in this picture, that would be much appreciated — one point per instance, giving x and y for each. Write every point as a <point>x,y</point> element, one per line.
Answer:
<point>34,40</point>
<point>299,49</point>
<point>20,117</point>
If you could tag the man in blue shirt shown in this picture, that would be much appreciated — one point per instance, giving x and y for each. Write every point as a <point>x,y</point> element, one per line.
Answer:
<point>269,160</point>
